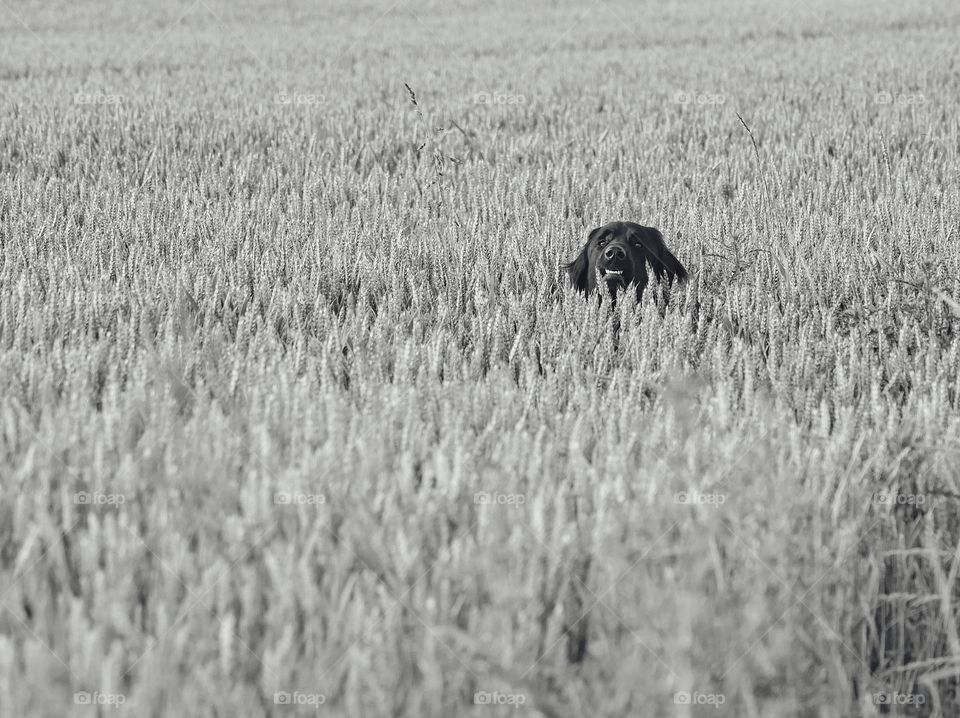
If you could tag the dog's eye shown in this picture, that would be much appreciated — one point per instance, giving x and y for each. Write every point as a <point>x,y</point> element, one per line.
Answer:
<point>601,242</point>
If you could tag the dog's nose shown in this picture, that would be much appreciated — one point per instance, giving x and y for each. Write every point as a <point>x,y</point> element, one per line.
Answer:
<point>615,253</point>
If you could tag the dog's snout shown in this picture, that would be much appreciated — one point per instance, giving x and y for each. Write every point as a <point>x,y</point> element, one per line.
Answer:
<point>615,252</point>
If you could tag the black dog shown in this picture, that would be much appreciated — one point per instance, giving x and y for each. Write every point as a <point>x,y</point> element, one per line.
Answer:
<point>618,254</point>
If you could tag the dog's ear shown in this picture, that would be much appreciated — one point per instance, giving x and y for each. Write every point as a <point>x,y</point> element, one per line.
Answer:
<point>654,250</point>
<point>579,269</point>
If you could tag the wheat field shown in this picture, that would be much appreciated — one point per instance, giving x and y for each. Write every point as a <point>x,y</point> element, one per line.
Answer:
<point>298,416</point>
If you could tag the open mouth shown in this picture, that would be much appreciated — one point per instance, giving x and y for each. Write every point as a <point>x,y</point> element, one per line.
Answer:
<point>611,275</point>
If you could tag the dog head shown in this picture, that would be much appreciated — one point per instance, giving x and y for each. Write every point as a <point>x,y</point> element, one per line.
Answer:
<point>617,254</point>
